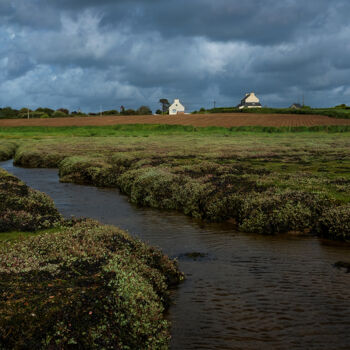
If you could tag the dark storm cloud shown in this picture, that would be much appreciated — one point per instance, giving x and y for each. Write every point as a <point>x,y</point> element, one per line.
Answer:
<point>84,53</point>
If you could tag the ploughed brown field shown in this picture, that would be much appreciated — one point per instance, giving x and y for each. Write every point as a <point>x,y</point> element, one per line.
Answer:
<point>224,120</point>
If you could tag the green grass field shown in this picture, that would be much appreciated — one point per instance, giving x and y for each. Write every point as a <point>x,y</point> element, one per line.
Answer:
<point>158,129</point>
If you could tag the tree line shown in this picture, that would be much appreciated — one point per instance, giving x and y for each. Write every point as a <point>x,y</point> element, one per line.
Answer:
<point>41,112</point>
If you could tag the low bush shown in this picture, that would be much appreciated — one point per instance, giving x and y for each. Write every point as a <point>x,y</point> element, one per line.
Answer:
<point>269,212</point>
<point>22,208</point>
<point>87,171</point>
<point>7,150</point>
<point>59,114</point>
<point>335,223</point>
<point>87,287</point>
<point>154,188</point>
<point>37,158</point>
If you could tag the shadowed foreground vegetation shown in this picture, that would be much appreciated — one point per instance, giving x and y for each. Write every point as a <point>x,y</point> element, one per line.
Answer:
<point>262,182</point>
<point>78,285</point>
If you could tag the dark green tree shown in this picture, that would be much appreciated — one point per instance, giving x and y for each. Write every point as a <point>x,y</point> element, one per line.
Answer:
<point>165,105</point>
<point>144,110</point>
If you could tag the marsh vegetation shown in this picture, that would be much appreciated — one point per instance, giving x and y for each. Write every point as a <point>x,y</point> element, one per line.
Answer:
<point>67,283</point>
<point>262,182</point>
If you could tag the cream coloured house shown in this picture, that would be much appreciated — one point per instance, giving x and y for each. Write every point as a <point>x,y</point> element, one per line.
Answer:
<point>250,101</point>
<point>176,108</point>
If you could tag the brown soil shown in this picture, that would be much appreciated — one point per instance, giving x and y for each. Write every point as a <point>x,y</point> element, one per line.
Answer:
<point>225,120</point>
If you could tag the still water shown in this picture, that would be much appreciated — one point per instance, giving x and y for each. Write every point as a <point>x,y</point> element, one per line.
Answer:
<point>246,292</point>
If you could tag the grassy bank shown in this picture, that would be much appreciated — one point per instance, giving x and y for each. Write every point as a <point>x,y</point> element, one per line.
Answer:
<point>263,182</point>
<point>68,284</point>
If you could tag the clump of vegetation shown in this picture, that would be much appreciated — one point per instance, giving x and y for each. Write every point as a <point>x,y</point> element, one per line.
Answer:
<point>87,286</point>
<point>37,158</point>
<point>84,170</point>
<point>22,208</point>
<point>7,150</point>
<point>272,212</point>
<point>335,223</point>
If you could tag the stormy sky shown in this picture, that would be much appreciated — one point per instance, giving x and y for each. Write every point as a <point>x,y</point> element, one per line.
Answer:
<point>91,53</point>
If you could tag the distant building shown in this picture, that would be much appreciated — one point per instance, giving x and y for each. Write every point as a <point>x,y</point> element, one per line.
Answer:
<point>176,108</point>
<point>296,106</point>
<point>250,101</point>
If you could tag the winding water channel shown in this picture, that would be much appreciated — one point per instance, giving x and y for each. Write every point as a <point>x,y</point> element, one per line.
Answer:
<point>247,292</point>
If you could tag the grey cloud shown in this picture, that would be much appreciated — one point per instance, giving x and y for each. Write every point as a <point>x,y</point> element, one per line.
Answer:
<point>132,52</point>
<point>17,64</point>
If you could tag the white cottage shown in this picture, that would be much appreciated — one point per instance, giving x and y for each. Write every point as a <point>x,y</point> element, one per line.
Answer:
<point>250,101</point>
<point>176,108</point>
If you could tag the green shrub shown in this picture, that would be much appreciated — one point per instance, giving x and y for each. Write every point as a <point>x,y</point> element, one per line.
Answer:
<point>47,111</point>
<point>123,160</point>
<point>22,208</point>
<point>86,287</point>
<point>335,223</point>
<point>36,158</point>
<point>269,212</point>
<point>153,187</point>
<point>59,114</point>
<point>87,171</point>
<point>144,110</point>
<point>7,150</point>
<point>8,112</point>
<point>110,112</point>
